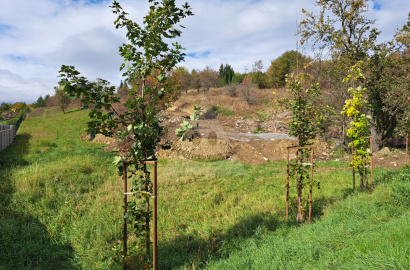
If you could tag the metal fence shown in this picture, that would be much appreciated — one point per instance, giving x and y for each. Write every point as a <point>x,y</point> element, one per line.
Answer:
<point>7,134</point>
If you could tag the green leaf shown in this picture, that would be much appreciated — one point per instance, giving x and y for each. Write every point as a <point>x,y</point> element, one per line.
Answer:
<point>117,160</point>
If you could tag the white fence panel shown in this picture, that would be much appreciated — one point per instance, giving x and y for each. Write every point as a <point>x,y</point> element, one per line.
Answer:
<point>7,134</point>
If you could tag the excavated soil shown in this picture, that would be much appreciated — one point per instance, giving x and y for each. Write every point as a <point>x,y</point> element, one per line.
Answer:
<point>232,137</point>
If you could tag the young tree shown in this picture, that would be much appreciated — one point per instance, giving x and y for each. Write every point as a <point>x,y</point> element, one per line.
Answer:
<point>62,99</point>
<point>151,55</point>
<point>304,125</point>
<point>257,76</point>
<point>359,126</point>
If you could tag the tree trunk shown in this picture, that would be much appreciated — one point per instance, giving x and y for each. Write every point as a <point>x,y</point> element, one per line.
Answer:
<point>301,215</point>
<point>361,179</point>
<point>343,134</point>
<point>376,138</point>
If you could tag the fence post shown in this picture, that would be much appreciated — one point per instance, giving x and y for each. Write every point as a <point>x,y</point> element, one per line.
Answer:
<point>1,138</point>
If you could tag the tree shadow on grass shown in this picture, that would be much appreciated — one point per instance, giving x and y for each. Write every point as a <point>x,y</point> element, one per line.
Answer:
<point>24,240</point>
<point>191,251</point>
<point>72,110</point>
<point>26,244</point>
<point>14,154</point>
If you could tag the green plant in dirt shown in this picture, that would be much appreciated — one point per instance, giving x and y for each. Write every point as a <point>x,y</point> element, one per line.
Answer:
<point>304,125</point>
<point>359,126</point>
<point>186,131</point>
<point>258,130</point>
<point>261,116</point>
<point>221,110</point>
<point>148,54</point>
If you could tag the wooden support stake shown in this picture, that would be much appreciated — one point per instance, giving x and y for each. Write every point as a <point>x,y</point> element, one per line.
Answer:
<point>147,239</point>
<point>371,159</point>
<point>311,177</point>
<point>287,187</point>
<point>310,191</point>
<point>124,265</point>
<point>354,173</point>
<point>407,146</point>
<point>154,233</point>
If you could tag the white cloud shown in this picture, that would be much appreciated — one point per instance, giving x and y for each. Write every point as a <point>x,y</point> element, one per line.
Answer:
<point>37,37</point>
<point>14,87</point>
<point>97,47</point>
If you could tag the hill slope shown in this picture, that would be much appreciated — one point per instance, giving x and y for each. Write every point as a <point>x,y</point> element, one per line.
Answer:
<point>61,205</point>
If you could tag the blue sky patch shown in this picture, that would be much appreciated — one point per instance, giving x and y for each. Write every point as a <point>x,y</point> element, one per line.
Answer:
<point>377,6</point>
<point>4,28</point>
<point>91,2</point>
<point>199,54</point>
<point>17,58</point>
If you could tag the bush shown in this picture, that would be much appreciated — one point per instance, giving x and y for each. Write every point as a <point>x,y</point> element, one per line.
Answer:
<point>210,113</point>
<point>249,93</point>
<point>10,122</point>
<point>51,101</point>
<point>231,90</point>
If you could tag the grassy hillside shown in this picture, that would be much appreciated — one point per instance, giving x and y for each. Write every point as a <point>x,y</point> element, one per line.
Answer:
<point>61,204</point>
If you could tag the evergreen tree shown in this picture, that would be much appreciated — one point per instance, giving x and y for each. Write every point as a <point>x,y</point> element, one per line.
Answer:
<point>41,102</point>
<point>226,73</point>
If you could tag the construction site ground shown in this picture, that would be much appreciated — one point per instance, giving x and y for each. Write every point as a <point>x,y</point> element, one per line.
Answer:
<point>252,134</point>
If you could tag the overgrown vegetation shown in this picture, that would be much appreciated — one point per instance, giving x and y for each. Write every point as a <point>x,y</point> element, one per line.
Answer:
<point>61,209</point>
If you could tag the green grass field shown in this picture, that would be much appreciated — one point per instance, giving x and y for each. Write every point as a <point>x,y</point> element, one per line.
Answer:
<point>61,208</point>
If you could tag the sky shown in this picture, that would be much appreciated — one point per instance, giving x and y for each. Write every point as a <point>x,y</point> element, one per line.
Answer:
<point>37,37</point>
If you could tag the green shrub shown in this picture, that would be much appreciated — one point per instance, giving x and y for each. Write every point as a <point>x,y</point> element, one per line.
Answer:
<point>222,111</point>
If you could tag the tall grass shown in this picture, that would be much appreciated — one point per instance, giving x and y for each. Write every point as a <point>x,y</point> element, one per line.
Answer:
<point>57,197</point>
<point>364,231</point>
<point>61,208</point>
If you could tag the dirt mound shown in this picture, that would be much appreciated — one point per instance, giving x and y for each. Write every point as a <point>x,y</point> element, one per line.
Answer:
<point>198,149</point>
<point>251,152</point>
<point>99,138</point>
<point>384,151</point>
<point>260,151</point>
